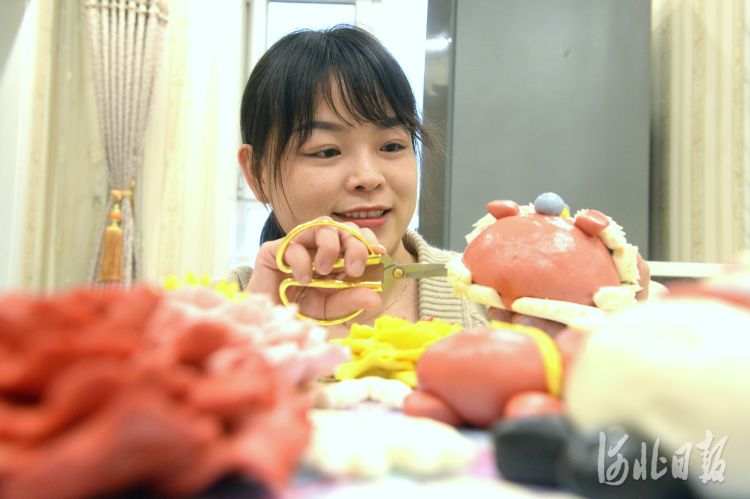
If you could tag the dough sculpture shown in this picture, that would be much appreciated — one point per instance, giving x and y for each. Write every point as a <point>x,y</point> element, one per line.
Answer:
<point>473,377</point>
<point>676,369</point>
<point>365,444</point>
<point>106,391</point>
<point>351,392</point>
<point>298,348</point>
<point>391,348</point>
<point>656,402</point>
<point>537,260</point>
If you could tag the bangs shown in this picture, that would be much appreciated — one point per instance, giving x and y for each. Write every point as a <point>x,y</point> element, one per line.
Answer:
<point>366,99</point>
<point>371,86</point>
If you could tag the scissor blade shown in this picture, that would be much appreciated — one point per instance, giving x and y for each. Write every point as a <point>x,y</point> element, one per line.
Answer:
<point>418,270</point>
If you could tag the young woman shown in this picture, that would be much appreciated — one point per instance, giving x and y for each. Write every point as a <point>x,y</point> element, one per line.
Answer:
<point>329,128</point>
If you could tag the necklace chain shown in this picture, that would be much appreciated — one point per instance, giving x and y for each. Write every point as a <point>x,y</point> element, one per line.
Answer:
<point>349,324</point>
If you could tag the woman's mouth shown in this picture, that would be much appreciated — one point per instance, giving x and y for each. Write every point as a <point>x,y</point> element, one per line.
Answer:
<point>364,218</point>
<point>363,214</point>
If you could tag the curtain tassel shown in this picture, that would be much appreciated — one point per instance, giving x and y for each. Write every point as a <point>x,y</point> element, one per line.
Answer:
<point>110,268</point>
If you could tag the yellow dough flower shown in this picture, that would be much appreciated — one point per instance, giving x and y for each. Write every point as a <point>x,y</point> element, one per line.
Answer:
<point>391,348</point>
<point>230,290</point>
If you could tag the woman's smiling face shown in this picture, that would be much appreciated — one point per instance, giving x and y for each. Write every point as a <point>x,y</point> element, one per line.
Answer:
<point>351,171</point>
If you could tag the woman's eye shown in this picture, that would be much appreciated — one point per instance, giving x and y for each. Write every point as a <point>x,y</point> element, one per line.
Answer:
<point>326,153</point>
<point>393,147</point>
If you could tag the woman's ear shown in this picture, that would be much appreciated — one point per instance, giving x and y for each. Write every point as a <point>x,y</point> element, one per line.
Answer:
<point>245,159</point>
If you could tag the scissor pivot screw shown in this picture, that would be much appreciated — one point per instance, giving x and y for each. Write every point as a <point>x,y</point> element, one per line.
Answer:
<point>398,273</point>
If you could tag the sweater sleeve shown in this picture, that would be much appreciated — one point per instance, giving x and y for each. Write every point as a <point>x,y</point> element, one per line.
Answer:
<point>240,275</point>
<point>436,298</point>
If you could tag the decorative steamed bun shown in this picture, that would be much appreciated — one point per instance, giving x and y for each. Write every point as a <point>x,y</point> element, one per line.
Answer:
<point>537,260</point>
<point>480,375</point>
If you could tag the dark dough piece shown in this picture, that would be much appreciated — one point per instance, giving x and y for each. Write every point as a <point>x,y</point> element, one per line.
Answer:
<point>527,449</point>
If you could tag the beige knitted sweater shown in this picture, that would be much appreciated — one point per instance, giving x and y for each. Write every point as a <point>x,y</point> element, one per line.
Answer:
<point>436,299</point>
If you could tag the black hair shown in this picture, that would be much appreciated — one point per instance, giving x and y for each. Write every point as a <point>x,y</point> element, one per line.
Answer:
<point>271,229</point>
<point>304,66</point>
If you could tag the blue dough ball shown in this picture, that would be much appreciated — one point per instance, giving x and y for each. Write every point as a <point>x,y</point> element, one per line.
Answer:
<point>549,203</point>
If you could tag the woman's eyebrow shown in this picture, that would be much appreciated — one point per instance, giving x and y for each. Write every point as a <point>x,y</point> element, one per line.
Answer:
<point>326,125</point>
<point>390,122</point>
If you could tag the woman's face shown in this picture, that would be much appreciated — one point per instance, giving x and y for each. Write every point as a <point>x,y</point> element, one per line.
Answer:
<point>353,172</point>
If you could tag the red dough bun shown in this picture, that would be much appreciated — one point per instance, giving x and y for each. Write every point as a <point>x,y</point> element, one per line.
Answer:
<point>475,372</point>
<point>538,260</point>
<point>533,403</point>
<point>540,256</point>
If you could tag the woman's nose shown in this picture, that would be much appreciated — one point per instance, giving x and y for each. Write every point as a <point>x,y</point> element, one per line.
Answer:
<point>366,174</point>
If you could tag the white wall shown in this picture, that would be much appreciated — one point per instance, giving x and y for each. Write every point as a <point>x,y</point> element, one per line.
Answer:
<point>17,20</point>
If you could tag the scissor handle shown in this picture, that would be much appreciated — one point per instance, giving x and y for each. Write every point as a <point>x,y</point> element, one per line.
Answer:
<point>314,223</point>
<point>331,284</point>
<point>324,283</point>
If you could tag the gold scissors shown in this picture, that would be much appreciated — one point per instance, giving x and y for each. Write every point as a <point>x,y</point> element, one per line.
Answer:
<point>391,271</point>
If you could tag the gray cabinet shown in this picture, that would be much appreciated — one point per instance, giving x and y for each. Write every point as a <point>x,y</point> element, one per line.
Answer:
<point>532,96</point>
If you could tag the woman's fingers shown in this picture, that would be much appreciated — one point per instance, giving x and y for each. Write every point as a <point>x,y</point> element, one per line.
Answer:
<point>327,304</point>
<point>351,299</point>
<point>644,279</point>
<point>324,245</point>
<point>327,242</point>
<point>499,314</point>
<point>546,325</point>
<point>266,275</point>
<point>355,253</point>
<point>318,248</point>
<point>317,245</point>
<point>551,327</point>
<point>297,257</point>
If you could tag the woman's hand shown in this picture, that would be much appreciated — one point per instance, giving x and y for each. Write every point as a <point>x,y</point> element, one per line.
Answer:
<point>644,279</point>
<point>549,326</point>
<point>321,246</point>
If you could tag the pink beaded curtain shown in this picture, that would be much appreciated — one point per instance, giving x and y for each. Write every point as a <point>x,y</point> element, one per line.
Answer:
<point>127,38</point>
